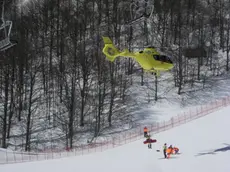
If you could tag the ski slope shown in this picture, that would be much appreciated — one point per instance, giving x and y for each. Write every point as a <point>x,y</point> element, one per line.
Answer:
<point>204,145</point>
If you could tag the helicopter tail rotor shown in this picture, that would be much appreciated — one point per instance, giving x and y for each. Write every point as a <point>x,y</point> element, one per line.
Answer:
<point>112,52</point>
<point>109,49</point>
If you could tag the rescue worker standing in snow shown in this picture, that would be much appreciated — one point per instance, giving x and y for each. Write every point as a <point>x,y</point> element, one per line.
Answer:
<point>149,141</point>
<point>164,150</point>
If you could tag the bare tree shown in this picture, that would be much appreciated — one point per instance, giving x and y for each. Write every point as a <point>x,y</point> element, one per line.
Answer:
<point>5,104</point>
<point>227,43</point>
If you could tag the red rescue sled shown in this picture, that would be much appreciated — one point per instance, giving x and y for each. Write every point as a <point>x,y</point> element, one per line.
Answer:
<point>150,141</point>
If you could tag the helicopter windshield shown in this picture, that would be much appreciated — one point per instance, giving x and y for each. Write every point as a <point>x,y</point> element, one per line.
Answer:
<point>162,58</point>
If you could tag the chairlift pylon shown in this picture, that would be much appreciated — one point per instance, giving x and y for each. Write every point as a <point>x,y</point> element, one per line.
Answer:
<point>5,42</point>
<point>142,17</point>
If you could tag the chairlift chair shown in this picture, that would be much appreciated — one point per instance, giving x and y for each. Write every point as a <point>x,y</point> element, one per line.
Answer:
<point>142,17</point>
<point>5,42</point>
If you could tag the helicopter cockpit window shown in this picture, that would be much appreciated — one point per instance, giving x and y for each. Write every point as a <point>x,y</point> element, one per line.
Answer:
<point>168,60</point>
<point>162,58</point>
<point>156,57</point>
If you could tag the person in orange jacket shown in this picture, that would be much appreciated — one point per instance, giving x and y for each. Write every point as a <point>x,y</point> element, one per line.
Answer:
<point>169,151</point>
<point>145,131</point>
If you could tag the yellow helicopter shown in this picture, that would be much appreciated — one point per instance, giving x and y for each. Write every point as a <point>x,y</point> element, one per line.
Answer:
<point>149,59</point>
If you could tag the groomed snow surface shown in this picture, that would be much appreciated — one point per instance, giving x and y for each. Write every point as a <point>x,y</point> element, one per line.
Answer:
<point>204,145</point>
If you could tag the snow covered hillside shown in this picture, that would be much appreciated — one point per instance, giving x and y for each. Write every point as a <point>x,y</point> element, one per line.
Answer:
<point>203,145</point>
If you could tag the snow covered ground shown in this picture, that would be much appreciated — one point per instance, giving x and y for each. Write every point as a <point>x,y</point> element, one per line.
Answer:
<point>170,103</point>
<point>203,144</point>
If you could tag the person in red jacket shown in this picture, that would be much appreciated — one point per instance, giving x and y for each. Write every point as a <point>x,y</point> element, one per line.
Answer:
<point>176,150</point>
<point>145,131</point>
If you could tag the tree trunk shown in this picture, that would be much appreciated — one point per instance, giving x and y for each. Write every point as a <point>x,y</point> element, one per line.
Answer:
<point>29,115</point>
<point>227,45</point>
<point>11,98</point>
<point>112,94</point>
<point>6,93</point>
<point>72,112</point>
<point>156,89</point>
<point>180,72</point>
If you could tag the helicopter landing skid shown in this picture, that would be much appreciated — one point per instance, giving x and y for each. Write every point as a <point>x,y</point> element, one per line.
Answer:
<point>153,71</point>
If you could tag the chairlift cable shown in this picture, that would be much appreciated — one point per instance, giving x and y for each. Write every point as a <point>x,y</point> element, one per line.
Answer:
<point>3,20</point>
<point>3,4</point>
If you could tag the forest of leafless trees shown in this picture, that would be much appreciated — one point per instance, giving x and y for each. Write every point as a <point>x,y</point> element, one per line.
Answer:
<point>57,79</point>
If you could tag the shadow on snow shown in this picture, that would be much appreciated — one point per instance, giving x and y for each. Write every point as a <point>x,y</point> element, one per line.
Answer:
<point>213,152</point>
